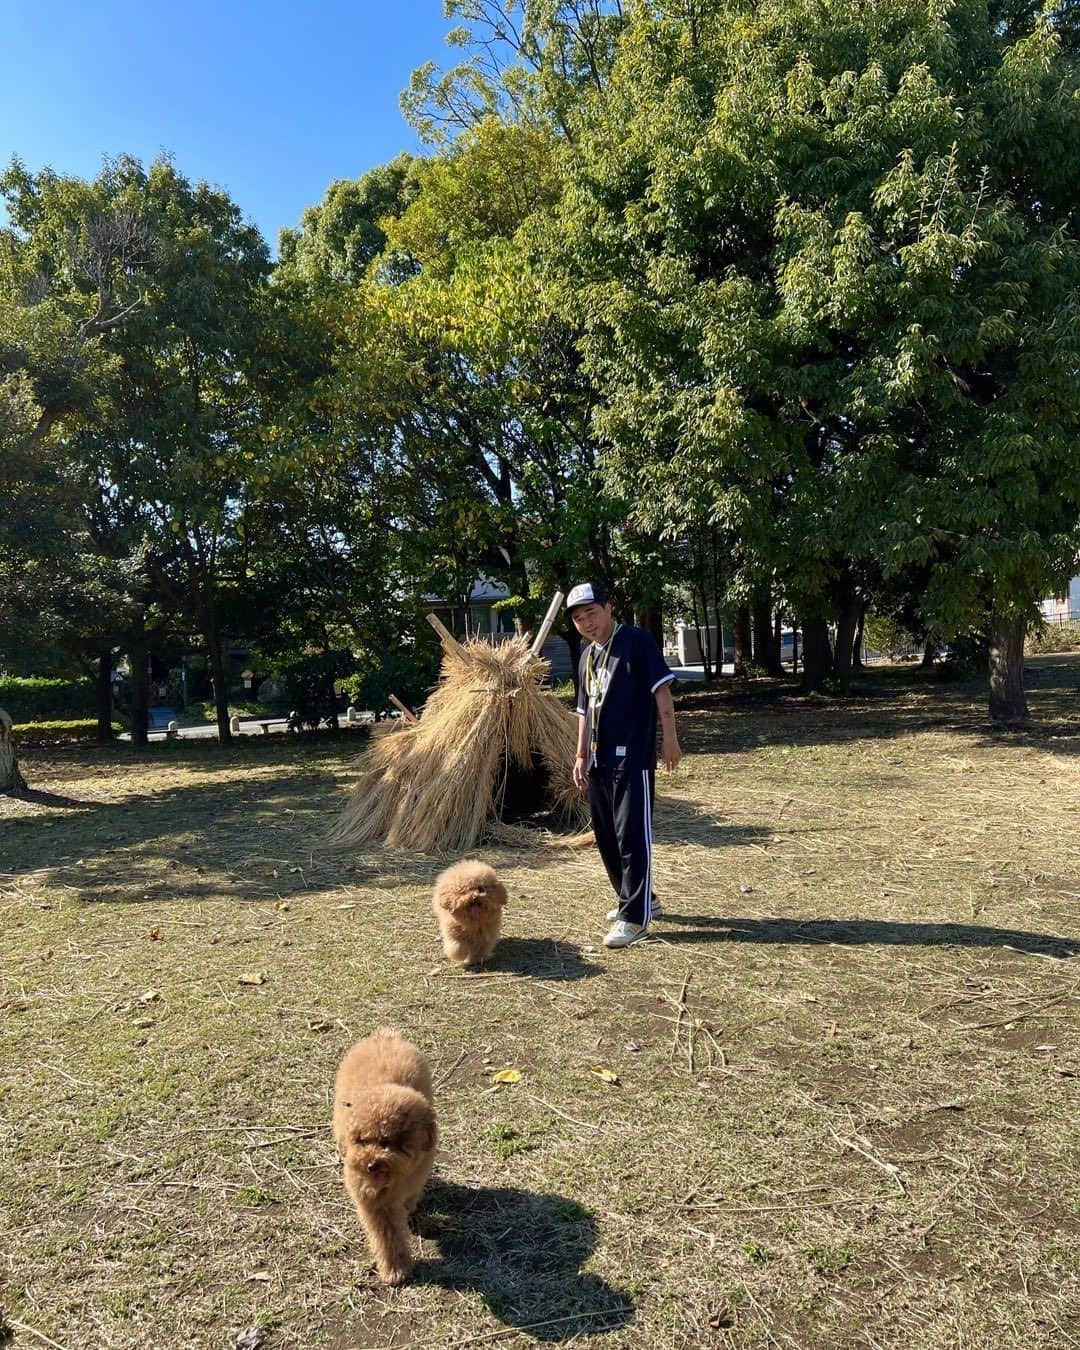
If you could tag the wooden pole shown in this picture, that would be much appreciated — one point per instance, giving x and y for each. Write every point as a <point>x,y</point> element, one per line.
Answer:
<point>449,641</point>
<point>545,628</point>
<point>407,713</point>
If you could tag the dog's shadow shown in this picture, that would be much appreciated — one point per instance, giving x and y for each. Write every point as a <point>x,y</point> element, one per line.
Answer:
<point>546,958</point>
<point>523,1253</point>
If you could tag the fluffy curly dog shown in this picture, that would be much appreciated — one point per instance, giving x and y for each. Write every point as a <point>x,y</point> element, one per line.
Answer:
<point>384,1124</point>
<point>468,903</point>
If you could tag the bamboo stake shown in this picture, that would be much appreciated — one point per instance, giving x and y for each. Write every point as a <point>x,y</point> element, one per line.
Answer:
<point>407,713</point>
<point>449,641</point>
<point>545,628</point>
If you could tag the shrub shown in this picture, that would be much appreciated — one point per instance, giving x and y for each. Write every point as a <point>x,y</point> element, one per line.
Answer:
<point>49,733</point>
<point>1053,637</point>
<point>35,698</point>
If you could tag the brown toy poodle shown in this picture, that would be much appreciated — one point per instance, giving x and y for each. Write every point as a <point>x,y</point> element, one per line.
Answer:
<point>468,903</point>
<point>384,1124</point>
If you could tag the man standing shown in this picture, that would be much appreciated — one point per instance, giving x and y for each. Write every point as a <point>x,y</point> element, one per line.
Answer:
<point>623,684</point>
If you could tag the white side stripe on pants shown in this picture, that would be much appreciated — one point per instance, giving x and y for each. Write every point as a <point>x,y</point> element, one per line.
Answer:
<point>648,847</point>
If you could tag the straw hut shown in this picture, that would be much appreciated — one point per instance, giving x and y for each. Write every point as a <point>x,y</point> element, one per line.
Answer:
<point>492,744</point>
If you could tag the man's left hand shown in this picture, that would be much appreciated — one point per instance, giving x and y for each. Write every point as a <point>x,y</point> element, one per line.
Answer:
<point>670,754</point>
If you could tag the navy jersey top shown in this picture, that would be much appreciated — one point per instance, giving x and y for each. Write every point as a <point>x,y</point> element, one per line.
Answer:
<point>624,689</point>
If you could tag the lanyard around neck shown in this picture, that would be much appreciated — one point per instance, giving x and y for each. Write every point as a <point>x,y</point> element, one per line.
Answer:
<point>594,674</point>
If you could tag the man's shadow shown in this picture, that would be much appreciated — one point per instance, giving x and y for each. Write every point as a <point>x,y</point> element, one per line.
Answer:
<point>545,958</point>
<point>858,932</point>
<point>523,1253</point>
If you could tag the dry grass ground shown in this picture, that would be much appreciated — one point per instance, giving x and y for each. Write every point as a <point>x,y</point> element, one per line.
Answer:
<point>846,1100</point>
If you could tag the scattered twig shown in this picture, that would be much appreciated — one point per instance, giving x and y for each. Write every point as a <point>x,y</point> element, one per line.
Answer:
<point>890,1169</point>
<point>33,1331</point>
<point>604,1314</point>
<point>79,1082</point>
<point>584,1123</point>
<point>445,1078</point>
<point>1016,1017</point>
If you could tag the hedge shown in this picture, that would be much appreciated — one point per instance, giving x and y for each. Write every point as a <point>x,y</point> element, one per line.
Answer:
<point>36,699</point>
<point>46,733</point>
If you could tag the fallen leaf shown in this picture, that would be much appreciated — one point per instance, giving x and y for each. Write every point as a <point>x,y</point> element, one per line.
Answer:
<point>151,996</point>
<point>633,1047</point>
<point>263,1276</point>
<point>507,1075</point>
<point>320,1024</point>
<point>746,890</point>
<point>14,1004</point>
<point>144,1021</point>
<point>608,1075</point>
<point>154,934</point>
<point>282,904</point>
<point>831,1028</point>
<point>251,1338</point>
<point>251,977</point>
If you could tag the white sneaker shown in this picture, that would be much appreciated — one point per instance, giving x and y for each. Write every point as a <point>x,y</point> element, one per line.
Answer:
<point>657,912</point>
<point>622,934</point>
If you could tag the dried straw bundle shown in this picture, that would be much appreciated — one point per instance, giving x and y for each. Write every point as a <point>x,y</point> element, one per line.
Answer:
<point>434,784</point>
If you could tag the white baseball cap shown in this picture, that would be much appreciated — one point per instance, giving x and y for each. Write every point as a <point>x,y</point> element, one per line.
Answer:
<point>588,593</point>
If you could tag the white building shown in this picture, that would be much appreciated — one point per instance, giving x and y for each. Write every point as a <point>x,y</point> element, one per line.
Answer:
<point>481,618</point>
<point>1060,608</point>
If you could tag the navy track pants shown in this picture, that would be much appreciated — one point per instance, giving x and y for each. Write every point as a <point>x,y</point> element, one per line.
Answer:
<point>621,803</point>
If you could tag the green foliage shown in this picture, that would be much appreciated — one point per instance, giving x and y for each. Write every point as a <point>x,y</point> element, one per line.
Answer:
<point>1046,638</point>
<point>339,238</point>
<point>31,699</point>
<point>824,263</point>
<point>50,732</point>
<point>408,672</point>
<point>884,633</point>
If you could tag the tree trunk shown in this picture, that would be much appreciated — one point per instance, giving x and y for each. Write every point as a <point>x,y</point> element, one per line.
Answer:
<point>332,716</point>
<point>221,687</point>
<point>1008,702</point>
<point>140,693</point>
<point>103,697</point>
<point>766,649</point>
<point>704,646</point>
<point>11,780</point>
<point>846,627</point>
<point>929,651</point>
<point>740,639</point>
<point>573,641</point>
<point>817,655</point>
<point>856,651</point>
<point>651,618</point>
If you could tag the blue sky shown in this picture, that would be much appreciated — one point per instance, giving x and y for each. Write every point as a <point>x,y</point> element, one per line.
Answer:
<point>271,100</point>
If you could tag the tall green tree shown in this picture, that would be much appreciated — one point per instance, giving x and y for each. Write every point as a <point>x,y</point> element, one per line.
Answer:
<point>824,258</point>
<point>178,426</point>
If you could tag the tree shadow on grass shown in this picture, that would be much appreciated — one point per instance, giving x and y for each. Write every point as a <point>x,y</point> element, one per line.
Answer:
<point>39,797</point>
<point>254,838</point>
<point>523,1253</point>
<point>859,932</point>
<point>731,716</point>
<point>545,958</point>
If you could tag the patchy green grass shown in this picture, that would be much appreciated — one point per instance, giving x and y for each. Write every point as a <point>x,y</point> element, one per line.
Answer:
<point>846,1099</point>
